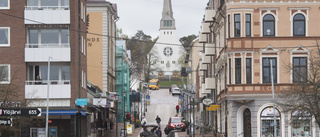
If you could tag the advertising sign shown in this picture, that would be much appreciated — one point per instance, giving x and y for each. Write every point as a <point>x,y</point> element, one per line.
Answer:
<point>102,102</point>
<point>129,129</point>
<point>81,101</point>
<point>207,101</point>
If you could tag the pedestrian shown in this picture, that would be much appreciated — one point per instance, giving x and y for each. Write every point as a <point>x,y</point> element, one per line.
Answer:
<point>143,121</point>
<point>177,108</point>
<point>128,116</point>
<point>167,130</point>
<point>158,132</point>
<point>158,119</point>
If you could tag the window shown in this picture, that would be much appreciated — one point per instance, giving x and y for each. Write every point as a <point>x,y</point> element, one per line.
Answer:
<point>167,51</point>
<point>248,25</point>
<point>47,4</point>
<point>299,25</point>
<point>4,4</point>
<point>229,27</point>
<point>267,122</point>
<point>48,37</point>
<point>229,71</point>
<point>173,62</point>
<point>237,70</point>
<point>266,71</point>
<point>57,72</point>
<point>4,74</point>
<point>248,71</point>
<point>82,47</point>
<point>299,71</point>
<point>4,36</point>
<point>301,123</point>
<point>268,25</point>
<point>237,25</point>
<point>162,62</point>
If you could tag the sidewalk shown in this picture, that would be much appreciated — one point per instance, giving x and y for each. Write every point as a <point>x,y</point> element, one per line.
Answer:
<point>198,134</point>
<point>112,133</point>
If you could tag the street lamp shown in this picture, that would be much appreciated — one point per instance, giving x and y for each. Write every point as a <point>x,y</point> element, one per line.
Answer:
<point>116,101</point>
<point>193,129</point>
<point>124,115</point>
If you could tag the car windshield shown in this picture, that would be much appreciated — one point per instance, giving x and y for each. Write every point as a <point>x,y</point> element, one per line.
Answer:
<point>175,120</point>
<point>176,89</point>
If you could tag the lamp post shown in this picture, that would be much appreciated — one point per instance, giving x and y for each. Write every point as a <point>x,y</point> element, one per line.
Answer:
<point>48,84</point>
<point>124,115</point>
<point>116,101</point>
<point>193,129</point>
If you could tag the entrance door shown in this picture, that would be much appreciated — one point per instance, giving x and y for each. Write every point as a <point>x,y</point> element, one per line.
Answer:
<point>247,123</point>
<point>53,132</point>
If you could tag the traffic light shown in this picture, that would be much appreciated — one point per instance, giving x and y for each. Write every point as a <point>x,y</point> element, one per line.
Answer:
<point>184,71</point>
<point>187,58</point>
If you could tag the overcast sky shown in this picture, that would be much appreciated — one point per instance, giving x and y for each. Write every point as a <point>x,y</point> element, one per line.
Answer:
<point>146,15</point>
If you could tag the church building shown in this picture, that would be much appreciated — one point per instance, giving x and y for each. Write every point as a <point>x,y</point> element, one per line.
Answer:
<point>167,51</point>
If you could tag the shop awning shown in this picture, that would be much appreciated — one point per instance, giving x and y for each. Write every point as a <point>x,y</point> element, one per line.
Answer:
<point>62,112</point>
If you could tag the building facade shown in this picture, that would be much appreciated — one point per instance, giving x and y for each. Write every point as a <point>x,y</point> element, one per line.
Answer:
<point>252,39</point>
<point>167,50</point>
<point>102,17</point>
<point>50,31</point>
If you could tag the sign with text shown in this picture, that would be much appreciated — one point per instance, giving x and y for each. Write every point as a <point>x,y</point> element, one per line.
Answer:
<point>6,122</point>
<point>214,106</point>
<point>211,109</point>
<point>207,101</point>
<point>81,101</point>
<point>20,112</point>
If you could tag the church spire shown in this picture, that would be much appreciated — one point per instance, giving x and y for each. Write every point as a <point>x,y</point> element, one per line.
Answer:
<point>167,21</point>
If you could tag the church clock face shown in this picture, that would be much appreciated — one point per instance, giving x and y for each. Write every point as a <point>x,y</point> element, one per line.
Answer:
<point>167,51</point>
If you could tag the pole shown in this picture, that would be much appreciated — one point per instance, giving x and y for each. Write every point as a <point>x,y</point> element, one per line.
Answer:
<point>194,132</point>
<point>274,110</point>
<point>48,84</point>
<point>124,115</point>
<point>117,118</point>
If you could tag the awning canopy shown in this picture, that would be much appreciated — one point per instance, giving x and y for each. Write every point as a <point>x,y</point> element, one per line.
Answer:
<point>62,112</point>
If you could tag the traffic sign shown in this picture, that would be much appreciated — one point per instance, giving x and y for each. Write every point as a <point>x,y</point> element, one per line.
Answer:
<point>211,109</point>
<point>6,122</point>
<point>147,96</point>
<point>214,106</point>
<point>20,112</point>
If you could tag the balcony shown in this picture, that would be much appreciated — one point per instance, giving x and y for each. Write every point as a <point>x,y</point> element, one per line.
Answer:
<point>209,49</point>
<point>205,59</point>
<point>57,89</point>
<point>204,90</point>
<point>210,83</point>
<point>41,52</point>
<point>205,29</point>
<point>203,67</point>
<point>202,38</point>
<point>47,15</point>
<point>209,14</point>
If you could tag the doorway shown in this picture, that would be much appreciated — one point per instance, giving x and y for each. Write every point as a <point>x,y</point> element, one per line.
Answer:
<point>53,132</point>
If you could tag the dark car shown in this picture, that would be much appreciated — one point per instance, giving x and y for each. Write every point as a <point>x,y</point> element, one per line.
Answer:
<point>176,123</point>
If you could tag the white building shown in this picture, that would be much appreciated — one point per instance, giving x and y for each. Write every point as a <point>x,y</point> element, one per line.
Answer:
<point>167,50</point>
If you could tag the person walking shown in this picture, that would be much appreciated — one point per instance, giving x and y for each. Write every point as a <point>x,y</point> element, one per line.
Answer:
<point>167,130</point>
<point>158,132</point>
<point>158,119</point>
<point>177,108</point>
<point>143,121</point>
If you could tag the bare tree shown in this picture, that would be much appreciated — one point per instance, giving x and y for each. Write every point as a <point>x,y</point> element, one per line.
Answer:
<point>302,98</point>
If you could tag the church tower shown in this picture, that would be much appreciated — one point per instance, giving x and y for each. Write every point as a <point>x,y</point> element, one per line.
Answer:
<point>167,50</point>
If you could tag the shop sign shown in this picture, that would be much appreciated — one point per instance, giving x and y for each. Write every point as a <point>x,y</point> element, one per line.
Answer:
<point>207,101</point>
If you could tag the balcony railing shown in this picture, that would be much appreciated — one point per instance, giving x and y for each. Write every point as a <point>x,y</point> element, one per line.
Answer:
<point>45,82</point>
<point>46,7</point>
<point>53,45</point>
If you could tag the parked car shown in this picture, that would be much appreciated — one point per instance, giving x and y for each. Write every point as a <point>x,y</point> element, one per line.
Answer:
<point>176,123</point>
<point>145,85</point>
<point>172,86</point>
<point>176,91</point>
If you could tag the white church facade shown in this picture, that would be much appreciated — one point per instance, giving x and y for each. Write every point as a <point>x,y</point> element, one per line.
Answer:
<point>167,51</point>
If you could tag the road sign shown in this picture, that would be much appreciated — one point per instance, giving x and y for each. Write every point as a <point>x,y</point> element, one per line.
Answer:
<point>20,112</point>
<point>147,96</point>
<point>81,101</point>
<point>211,109</point>
<point>6,122</point>
<point>214,106</point>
